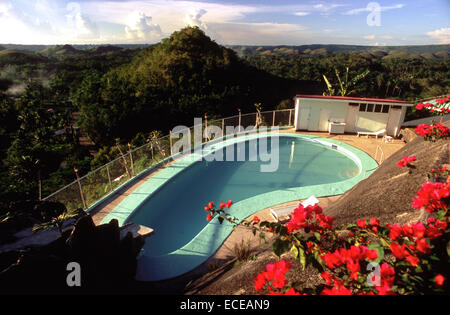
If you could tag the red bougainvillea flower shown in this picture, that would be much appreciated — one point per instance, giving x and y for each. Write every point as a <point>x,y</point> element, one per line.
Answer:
<point>419,106</point>
<point>206,208</point>
<point>439,279</point>
<point>256,219</point>
<point>387,278</point>
<point>399,252</point>
<point>423,246</point>
<point>327,277</point>
<point>431,195</point>
<point>222,205</point>
<point>209,217</point>
<point>211,205</point>
<point>361,223</point>
<point>414,261</point>
<point>274,272</point>
<point>406,161</point>
<point>291,291</point>
<point>229,203</point>
<point>302,217</point>
<point>374,221</point>
<point>337,289</point>
<point>395,231</point>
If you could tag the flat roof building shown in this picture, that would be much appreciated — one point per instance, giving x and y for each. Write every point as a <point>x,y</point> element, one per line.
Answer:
<point>339,114</point>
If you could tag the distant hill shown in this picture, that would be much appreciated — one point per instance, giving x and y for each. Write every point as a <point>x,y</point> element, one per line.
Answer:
<point>61,51</point>
<point>412,52</point>
<point>442,54</point>
<point>8,56</point>
<point>2,48</point>
<point>105,49</point>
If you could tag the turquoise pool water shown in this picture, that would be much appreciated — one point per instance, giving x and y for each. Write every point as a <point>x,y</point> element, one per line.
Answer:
<point>176,212</point>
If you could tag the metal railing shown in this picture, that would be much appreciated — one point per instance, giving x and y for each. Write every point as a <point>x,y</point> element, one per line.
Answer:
<point>379,149</point>
<point>85,191</point>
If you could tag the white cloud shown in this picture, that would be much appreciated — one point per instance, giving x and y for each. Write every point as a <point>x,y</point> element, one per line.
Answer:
<point>441,35</point>
<point>139,27</point>
<point>369,37</point>
<point>193,19</point>
<point>261,33</point>
<point>367,9</point>
<point>83,27</point>
<point>300,13</point>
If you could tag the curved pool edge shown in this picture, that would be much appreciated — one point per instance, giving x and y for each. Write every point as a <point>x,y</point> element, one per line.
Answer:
<point>211,237</point>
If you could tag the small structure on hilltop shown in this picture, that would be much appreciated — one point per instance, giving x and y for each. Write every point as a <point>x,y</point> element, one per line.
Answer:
<point>339,114</point>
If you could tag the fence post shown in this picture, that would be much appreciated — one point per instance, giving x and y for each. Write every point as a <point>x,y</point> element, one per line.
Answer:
<point>131,160</point>
<point>223,128</point>
<point>239,122</point>
<point>273,119</point>
<point>79,186</point>
<point>170,142</point>
<point>206,127</point>
<point>290,115</point>
<point>109,177</point>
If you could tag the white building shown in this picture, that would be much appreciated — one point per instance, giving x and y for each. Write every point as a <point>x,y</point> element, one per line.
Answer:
<point>349,114</point>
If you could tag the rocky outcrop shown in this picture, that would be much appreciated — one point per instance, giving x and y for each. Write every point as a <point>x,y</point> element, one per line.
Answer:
<point>387,194</point>
<point>107,261</point>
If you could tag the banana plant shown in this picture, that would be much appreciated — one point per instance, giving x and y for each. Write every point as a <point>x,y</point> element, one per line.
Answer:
<point>345,85</point>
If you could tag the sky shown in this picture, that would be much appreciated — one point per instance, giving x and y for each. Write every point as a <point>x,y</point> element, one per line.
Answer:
<point>228,22</point>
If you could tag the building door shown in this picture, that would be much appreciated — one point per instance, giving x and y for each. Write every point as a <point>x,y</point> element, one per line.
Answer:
<point>393,124</point>
<point>352,118</point>
<point>305,114</point>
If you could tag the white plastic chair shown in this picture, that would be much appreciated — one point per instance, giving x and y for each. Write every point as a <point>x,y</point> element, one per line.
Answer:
<point>371,133</point>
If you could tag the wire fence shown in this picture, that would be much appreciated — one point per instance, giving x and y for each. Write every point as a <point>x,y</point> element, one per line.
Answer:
<point>87,190</point>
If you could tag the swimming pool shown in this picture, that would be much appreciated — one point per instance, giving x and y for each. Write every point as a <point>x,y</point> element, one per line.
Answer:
<point>172,201</point>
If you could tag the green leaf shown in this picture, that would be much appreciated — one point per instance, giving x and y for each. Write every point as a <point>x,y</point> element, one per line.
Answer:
<point>380,251</point>
<point>302,258</point>
<point>317,235</point>
<point>294,251</point>
<point>280,247</point>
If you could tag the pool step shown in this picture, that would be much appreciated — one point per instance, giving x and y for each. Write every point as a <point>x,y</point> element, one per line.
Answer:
<point>135,230</point>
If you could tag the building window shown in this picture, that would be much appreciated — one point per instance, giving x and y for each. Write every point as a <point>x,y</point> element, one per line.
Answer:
<point>378,108</point>
<point>362,107</point>
<point>396,107</point>
<point>385,109</point>
<point>370,108</point>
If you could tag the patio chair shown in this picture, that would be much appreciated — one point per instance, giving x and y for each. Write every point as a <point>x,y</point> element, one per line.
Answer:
<point>285,211</point>
<point>371,133</point>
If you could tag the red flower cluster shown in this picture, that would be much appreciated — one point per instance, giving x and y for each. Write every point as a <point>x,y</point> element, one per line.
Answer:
<point>274,272</point>
<point>406,161</point>
<point>303,218</point>
<point>431,196</point>
<point>416,237</point>
<point>387,275</point>
<point>210,208</point>
<point>373,224</point>
<point>436,130</point>
<point>337,289</point>
<point>350,258</point>
<point>436,107</point>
